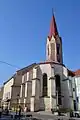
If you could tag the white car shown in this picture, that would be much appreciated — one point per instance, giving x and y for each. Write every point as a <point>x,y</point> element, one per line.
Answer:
<point>76,114</point>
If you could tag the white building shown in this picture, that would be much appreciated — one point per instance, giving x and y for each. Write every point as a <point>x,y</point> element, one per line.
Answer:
<point>76,89</point>
<point>44,85</point>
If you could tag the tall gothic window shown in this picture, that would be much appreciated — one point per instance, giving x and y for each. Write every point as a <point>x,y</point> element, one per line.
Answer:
<point>48,49</point>
<point>58,89</point>
<point>58,52</point>
<point>58,47</point>
<point>44,84</point>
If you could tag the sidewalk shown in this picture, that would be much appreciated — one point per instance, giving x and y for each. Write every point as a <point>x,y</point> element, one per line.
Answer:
<point>44,113</point>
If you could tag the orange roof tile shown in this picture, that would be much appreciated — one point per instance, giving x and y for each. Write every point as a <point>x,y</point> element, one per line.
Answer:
<point>77,72</point>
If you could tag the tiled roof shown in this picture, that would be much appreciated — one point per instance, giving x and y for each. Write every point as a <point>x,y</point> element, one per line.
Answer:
<point>26,69</point>
<point>51,62</point>
<point>71,73</point>
<point>77,72</point>
<point>21,71</point>
<point>10,79</point>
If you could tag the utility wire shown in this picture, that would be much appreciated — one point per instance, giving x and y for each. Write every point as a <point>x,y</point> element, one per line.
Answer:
<point>9,64</point>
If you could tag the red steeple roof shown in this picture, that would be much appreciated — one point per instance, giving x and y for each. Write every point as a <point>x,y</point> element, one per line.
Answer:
<point>53,28</point>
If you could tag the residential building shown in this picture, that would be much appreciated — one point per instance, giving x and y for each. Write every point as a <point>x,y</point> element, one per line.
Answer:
<point>76,90</point>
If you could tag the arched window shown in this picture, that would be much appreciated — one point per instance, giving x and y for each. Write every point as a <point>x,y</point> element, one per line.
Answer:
<point>48,49</point>
<point>58,52</point>
<point>58,49</point>
<point>58,89</point>
<point>57,78</point>
<point>44,84</point>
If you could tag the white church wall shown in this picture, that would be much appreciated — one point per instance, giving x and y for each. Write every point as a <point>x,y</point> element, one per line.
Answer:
<point>35,83</point>
<point>47,104</point>
<point>39,76</point>
<point>18,79</point>
<point>28,86</point>
<point>35,91</point>
<point>68,97</point>
<point>46,68</point>
<point>65,86</point>
<point>53,89</point>
<point>44,103</point>
<point>26,83</point>
<point>62,72</point>
<point>49,101</point>
<point>15,92</point>
<point>67,100</point>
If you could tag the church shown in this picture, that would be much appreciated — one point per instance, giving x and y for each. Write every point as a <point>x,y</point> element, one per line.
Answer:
<point>43,86</point>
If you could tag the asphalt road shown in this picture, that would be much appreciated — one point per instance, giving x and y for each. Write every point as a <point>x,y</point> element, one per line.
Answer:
<point>39,117</point>
<point>50,117</point>
<point>5,118</point>
<point>42,117</point>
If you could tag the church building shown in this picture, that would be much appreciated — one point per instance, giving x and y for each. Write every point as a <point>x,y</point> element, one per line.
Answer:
<point>45,85</point>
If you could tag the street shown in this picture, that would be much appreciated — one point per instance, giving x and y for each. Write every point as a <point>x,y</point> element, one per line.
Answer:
<point>39,116</point>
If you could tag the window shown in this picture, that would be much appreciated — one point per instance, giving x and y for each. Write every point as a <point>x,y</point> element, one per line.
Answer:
<point>58,52</point>
<point>75,105</point>
<point>77,98</point>
<point>73,89</point>
<point>58,89</point>
<point>44,84</point>
<point>48,49</point>
<point>58,58</point>
<point>58,47</point>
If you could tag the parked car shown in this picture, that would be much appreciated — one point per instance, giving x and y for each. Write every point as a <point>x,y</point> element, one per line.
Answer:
<point>75,114</point>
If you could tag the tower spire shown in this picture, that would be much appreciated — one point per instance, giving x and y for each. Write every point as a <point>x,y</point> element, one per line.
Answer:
<point>53,26</point>
<point>54,43</point>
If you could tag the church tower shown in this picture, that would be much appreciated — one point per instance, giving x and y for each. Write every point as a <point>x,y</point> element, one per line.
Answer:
<point>54,44</point>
